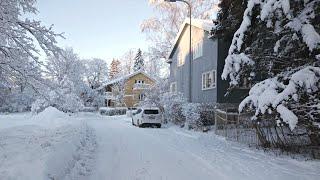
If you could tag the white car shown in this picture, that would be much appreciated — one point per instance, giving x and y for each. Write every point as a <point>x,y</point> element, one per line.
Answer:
<point>130,111</point>
<point>147,117</point>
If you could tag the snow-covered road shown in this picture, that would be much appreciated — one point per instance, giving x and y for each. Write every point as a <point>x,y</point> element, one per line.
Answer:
<point>126,152</point>
<point>89,146</point>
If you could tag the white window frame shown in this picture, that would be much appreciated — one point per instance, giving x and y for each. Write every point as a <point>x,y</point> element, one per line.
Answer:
<point>197,50</point>
<point>173,84</point>
<point>205,81</point>
<point>141,97</point>
<point>180,59</point>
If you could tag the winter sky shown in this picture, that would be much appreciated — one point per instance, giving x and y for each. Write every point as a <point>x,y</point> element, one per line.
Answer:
<point>97,28</point>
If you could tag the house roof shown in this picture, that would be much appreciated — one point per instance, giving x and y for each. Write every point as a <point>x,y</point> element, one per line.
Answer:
<point>126,77</point>
<point>206,25</point>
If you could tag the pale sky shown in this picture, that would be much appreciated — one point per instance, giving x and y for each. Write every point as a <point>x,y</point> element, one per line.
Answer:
<point>97,28</point>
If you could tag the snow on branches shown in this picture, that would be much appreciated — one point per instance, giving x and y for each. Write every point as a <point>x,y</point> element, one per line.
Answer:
<point>269,9</point>
<point>291,34</point>
<point>272,94</point>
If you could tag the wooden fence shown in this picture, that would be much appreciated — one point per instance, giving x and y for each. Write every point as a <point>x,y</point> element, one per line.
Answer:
<point>239,127</point>
<point>235,127</point>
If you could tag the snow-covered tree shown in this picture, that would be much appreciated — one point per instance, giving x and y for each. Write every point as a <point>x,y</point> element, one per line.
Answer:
<point>229,17</point>
<point>138,61</point>
<point>155,65</point>
<point>278,43</point>
<point>115,69</point>
<point>162,28</point>
<point>66,85</point>
<point>20,38</point>
<point>127,61</point>
<point>96,72</point>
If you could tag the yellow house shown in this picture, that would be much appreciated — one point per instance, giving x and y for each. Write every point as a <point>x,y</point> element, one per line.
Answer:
<point>127,91</point>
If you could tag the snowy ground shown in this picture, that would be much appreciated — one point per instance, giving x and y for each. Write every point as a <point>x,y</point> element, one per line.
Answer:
<point>53,145</point>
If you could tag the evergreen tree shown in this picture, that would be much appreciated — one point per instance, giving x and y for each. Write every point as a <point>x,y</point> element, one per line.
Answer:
<point>138,61</point>
<point>114,71</point>
<point>278,43</point>
<point>229,18</point>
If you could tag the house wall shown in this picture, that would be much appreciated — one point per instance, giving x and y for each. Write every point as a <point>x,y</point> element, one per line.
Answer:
<point>207,62</point>
<point>237,94</point>
<point>131,97</point>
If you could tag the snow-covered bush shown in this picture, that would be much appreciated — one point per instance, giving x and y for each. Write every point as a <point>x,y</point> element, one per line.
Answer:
<point>172,105</point>
<point>61,101</point>
<point>16,100</point>
<point>89,109</point>
<point>112,111</point>
<point>192,112</point>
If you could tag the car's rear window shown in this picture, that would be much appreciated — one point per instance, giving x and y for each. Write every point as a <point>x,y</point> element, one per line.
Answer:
<point>149,111</point>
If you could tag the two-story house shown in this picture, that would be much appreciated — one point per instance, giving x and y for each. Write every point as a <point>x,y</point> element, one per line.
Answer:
<point>200,80</point>
<point>128,90</point>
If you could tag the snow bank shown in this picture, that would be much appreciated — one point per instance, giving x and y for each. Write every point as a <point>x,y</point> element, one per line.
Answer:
<point>50,145</point>
<point>50,113</point>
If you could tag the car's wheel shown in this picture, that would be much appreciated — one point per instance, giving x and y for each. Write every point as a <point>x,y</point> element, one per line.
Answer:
<point>159,125</point>
<point>132,121</point>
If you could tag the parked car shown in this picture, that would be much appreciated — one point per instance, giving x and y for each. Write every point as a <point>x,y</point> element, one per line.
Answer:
<point>144,117</point>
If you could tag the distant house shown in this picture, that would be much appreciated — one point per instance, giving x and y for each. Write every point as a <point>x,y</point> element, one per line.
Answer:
<point>205,69</point>
<point>128,90</point>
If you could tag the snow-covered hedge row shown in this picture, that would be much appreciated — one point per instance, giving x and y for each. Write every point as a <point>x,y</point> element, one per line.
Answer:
<point>89,109</point>
<point>112,111</point>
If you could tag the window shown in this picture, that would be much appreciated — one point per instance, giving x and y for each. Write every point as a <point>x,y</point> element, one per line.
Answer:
<point>139,81</point>
<point>141,97</point>
<point>197,50</point>
<point>173,87</point>
<point>151,111</point>
<point>180,58</point>
<point>137,112</point>
<point>209,80</point>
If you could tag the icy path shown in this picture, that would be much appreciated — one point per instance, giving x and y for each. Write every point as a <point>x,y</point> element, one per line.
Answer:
<point>126,152</point>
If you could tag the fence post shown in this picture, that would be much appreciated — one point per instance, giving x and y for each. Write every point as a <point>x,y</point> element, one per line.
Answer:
<point>237,128</point>
<point>215,122</point>
<point>226,124</point>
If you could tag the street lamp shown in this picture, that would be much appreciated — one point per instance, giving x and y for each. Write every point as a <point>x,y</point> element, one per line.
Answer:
<point>190,43</point>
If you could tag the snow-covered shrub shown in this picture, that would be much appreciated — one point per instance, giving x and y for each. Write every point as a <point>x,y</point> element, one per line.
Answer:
<point>112,111</point>
<point>89,109</point>
<point>17,100</point>
<point>61,101</point>
<point>172,104</point>
<point>192,114</point>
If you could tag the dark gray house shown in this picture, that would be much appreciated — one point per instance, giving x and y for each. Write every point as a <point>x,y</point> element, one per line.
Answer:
<point>208,57</point>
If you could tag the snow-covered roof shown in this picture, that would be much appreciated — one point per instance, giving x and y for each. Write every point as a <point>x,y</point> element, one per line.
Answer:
<point>126,77</point>
<point>206,25</point>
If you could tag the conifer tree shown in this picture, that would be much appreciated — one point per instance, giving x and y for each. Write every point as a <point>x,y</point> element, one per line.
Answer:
<point>277,46</point>
<point>114,71</point>
<point>138,61</point>
<point>229,17</point>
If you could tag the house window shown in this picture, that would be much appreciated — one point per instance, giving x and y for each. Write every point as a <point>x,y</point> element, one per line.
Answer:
<point>142,97</point>
<point>209,80</point>
<point>180,58</point>
<point>197,50</point>
<point>139,81</point>
<point>173,87</point>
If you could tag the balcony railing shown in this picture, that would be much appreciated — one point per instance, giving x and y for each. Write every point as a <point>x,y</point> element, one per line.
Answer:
<point>141,86</point>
